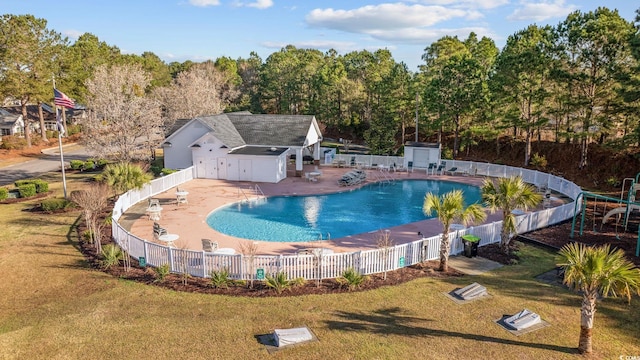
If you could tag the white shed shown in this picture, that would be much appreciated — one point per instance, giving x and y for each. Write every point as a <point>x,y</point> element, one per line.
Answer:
<point>421,154</point>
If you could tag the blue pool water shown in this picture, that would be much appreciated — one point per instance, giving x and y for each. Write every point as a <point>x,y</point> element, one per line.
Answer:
<point>308,218</point>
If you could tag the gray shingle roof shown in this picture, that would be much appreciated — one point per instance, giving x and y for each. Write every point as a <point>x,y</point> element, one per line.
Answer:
<point>245,129</point>
<point>272,130</point>
<point>223,129</point>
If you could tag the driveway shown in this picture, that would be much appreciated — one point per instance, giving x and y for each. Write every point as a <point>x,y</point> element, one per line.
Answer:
<point>50,161</point>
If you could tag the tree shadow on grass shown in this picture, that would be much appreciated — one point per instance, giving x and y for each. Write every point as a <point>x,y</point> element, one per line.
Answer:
<point>391,321</point>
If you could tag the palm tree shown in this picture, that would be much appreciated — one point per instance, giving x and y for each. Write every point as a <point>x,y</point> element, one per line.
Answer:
<point>123,177</point>
<point>596,271</point>
<point>449,208</point>
<point>509,194</point>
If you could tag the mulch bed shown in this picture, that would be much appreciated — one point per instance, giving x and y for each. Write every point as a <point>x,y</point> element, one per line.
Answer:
<point>553,237</point>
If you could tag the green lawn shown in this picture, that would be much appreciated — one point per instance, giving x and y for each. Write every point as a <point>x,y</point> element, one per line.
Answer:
<point>54,307</point>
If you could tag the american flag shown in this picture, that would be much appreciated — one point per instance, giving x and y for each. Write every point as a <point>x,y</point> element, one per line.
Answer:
<point>61,99</point>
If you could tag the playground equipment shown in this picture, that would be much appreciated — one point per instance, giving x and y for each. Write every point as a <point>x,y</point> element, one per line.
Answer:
<point>629,205</point>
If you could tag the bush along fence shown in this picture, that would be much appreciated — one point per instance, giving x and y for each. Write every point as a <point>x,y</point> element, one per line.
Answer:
<point>320,266</point>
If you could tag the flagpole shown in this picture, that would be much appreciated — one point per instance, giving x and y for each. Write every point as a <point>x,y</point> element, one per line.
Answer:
<point>60,129</point>
<point>64,180</point>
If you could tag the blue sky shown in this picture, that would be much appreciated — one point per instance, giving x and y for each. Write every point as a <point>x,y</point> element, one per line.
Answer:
<point>179,30</point>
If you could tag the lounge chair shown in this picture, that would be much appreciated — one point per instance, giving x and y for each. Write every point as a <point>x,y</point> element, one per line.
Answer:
<point>451,171</point>
<point>441,168</point>
<point>209,245</point>
<point>432,168</point>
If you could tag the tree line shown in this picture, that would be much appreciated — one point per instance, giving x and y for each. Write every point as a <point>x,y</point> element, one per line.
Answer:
<point>577,81</point>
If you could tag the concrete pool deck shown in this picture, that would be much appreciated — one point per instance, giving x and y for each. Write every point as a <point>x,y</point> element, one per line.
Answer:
<point>188,220</point>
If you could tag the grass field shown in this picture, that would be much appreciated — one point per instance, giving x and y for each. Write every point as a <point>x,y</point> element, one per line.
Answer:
<point>54,307</point>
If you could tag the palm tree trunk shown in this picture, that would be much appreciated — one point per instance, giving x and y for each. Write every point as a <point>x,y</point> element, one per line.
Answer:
<point>504,240</point>
<point>444,251</point>
<point>587,314</point>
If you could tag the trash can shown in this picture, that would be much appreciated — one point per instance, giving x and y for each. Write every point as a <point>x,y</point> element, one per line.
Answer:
<point>470,243</point>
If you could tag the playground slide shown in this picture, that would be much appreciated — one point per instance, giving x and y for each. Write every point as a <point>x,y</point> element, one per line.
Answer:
<point>618,210</point>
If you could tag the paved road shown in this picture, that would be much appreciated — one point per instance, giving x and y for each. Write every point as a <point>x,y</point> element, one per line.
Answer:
<point>50,161</point>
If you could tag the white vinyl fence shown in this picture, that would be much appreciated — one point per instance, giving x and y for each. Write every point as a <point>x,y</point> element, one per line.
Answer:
<point>324,266</point>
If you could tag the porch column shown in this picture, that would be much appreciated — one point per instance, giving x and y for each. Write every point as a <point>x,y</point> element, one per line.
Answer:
<point>316,153</point>
<point>299,166</point>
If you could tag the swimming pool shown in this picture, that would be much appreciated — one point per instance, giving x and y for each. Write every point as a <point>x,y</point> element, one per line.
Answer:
<point>319,217</point>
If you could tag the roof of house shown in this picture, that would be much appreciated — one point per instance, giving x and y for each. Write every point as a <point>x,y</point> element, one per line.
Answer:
<point>259,150</point>
<point>422,144</point>
<point>243,128</point>
<point>32,112</point>
<point>8,119</point>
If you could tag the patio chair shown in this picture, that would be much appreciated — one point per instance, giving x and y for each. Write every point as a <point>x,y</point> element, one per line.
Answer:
<point>158,230</point>
<point>410,166</point>
<point>353,162</point>
<point>432,168</point>
<point>441,167</point>
<point>451,171</point>
<point>209,245</point>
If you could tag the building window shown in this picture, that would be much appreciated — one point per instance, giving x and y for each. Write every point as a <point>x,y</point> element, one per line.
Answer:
<point>5,132</point>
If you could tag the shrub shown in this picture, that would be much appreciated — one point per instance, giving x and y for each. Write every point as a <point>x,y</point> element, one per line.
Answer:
<point>12,142</point>
<point>102,163</point>
<point>156,170</point>
<point>220,278</point>
<point>279,282</point>
<point>27,190</point>
<point>161,272</point>
<point>352,279</point>
<point>4,193</point>
<point>111,255</point>
<point>73,129</point>
<point>166,171</point>
<point>55,204</point>
<point>76,164</point>
<point>538,161</point>
<point>89,165</point>
<point>41,185</point>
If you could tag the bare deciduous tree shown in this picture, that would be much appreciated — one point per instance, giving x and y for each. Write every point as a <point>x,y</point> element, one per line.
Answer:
<point>249,250</point>
<point>123,123</point>
<point>201,90</point>
<point>92,201</point>
<point>385,244</point>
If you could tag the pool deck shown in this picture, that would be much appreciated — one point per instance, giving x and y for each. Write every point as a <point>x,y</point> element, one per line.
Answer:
<point>188,220</point>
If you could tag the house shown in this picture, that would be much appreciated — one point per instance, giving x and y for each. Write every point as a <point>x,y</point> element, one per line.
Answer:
<point>421,154</point>
<point>241,146</point>
<point>48,113</point>
<point>10,123</point>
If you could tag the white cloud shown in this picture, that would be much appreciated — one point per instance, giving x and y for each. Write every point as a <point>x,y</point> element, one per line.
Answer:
<point>204,3</point>
<point>72,34</point>
<point>258,4</point>
<point>540,11</point>
<point>381,17</point>
<point>482,4</point>
<point>425,36</point>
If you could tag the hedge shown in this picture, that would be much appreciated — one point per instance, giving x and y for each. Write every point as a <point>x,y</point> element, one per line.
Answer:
<point>4,193</point>
<point>76,164</point>
<point>41,185</point>
<point>27,190</point>
<point>55,204</point>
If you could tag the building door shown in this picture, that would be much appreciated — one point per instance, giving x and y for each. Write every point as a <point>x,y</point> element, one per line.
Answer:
<point>201,168</point>
<point>222,168</point>
<point>244,168</point>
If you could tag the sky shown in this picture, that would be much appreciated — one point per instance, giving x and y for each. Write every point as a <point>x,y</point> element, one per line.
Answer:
<point>198,30</point>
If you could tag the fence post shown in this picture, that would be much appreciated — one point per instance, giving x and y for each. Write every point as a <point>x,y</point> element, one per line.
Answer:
<point>170,259</point>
